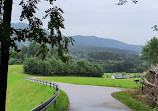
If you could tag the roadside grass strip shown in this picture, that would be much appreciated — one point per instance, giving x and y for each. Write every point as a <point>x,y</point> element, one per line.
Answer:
<point>135,105</point>
<point>120,83</point>
<point>24,95</point>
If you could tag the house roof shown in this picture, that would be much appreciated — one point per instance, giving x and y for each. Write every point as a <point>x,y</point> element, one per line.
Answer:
<point>144,73</point>
<point>130,76</point>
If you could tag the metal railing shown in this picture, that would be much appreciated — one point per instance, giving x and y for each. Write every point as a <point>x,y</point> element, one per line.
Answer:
<point>48,103</point>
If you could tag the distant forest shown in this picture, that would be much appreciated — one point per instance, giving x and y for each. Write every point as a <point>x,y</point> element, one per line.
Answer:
<point>110,59</point>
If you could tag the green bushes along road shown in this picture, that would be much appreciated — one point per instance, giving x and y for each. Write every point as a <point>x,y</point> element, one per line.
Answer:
<point>54,67</point>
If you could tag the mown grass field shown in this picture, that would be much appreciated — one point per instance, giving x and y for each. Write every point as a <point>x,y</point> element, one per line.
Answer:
<point>24,95</point>
<point>120,83</point>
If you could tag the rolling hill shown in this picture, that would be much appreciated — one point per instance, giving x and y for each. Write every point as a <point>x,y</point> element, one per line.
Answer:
<point>94,43</point>
<point>104,42</point>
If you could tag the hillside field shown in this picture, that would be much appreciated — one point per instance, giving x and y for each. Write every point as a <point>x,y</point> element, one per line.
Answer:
<point>24,95</point>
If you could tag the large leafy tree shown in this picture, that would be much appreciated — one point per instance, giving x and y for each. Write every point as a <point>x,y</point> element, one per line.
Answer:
<point>150,51</point>
<point>34,32</point>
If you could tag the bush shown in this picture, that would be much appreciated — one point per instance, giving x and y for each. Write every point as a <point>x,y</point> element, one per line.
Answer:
<point>44,68</point>
<point>31,66</point>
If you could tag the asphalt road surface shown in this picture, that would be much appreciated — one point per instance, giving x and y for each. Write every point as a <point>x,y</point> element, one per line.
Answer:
<point>92,98</point>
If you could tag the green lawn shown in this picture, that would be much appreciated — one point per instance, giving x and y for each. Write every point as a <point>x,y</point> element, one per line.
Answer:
<point>25,95</point>
<point>121,83</point>
<point>125,98</point>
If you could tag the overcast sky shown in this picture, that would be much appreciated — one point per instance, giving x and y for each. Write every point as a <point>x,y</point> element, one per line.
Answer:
<point>129,23</point>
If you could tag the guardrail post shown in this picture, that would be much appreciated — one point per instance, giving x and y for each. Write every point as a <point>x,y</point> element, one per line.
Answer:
<point>53,85</point>
<point>56,88</point>
<point>50,84</point>
<point>55,100</point>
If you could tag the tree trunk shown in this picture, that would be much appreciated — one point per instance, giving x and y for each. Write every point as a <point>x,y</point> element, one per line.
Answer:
<point>5,43</point>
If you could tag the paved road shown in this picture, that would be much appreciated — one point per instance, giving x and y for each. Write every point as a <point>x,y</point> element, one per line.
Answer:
<point>92,98</point>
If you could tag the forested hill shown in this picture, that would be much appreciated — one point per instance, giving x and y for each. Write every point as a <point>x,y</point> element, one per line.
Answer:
<point>92,43</point>
<point>104,42</point>
<point>80,50</point>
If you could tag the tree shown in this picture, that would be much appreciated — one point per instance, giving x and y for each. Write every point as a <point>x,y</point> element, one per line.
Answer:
<point>33,32</point>
<point>150,51</point>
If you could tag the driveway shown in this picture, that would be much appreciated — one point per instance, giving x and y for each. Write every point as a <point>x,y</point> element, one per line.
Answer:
<point>92,98</point>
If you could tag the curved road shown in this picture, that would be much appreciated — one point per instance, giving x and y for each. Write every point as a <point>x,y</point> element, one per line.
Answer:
<point>92,98</point>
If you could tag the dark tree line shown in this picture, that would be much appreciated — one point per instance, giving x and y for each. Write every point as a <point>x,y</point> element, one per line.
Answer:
<point>54,67</point>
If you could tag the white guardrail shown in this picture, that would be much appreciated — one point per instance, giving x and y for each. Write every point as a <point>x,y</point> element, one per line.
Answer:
<point>48,103</point>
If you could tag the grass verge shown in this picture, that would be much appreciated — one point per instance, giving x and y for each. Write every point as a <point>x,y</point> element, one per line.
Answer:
<point>61,104</point>
<point>120,83</point>
<point>125,98</point>
<point>25,95</point>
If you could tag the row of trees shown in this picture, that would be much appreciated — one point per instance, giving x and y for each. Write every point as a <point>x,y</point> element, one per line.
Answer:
<point>56,67</point>
<point>109,61</point>
<point>124,66</point>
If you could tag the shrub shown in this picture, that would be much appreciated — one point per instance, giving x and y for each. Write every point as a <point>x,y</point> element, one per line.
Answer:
<point>44,68</point>
<point>31,66</point>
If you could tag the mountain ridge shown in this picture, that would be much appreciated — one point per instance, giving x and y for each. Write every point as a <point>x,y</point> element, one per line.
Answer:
<point>94,41</point>
<point>105,42</point>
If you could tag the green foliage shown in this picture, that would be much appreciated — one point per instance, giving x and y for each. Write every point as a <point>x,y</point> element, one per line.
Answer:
<point>31,66</point>
<point>61,104</point>
<point>150,51</point>
<point>123,74</point>
<point>31,50</point>
<point>13,61</point>
<point>111,60</point>
<point>123,66</point>
<point>10,36</point>
<point>59,68</point>
<point>44,68</point>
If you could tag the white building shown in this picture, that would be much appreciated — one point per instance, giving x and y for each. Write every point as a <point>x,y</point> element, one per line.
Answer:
<point>116,76</point>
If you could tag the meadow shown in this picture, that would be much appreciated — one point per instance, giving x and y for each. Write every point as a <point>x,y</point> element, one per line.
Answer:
<point>120,83</point>
<point>24,95</point>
